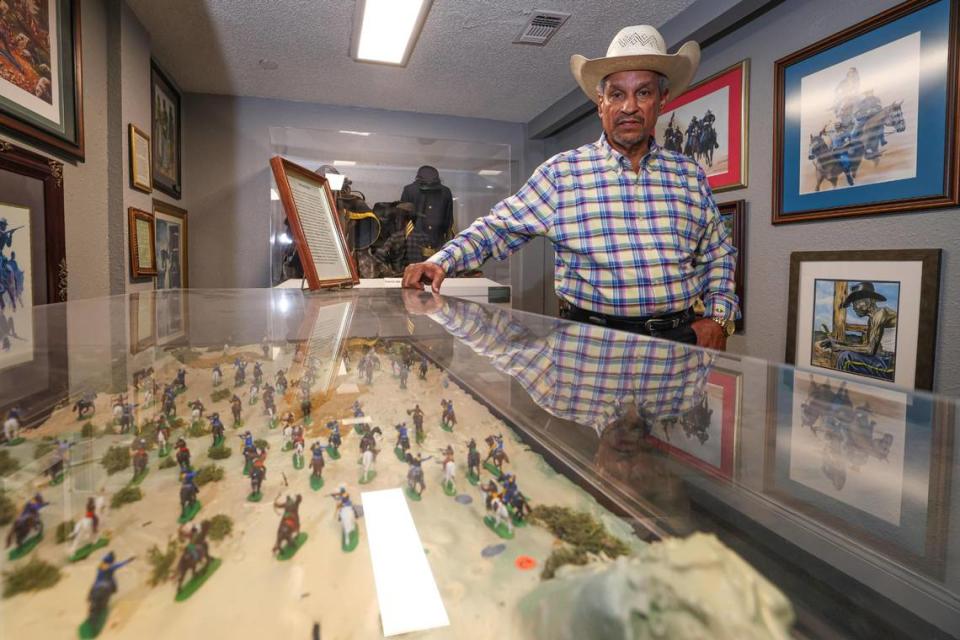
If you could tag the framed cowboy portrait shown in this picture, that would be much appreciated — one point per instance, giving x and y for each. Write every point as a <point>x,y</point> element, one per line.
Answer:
<point>170,237</point>
<point>865,315</point>
<point>732,214</point>
<point>41,75</point>
<point>708,123</point>
<point>165,116</point>
<point>865,121</point>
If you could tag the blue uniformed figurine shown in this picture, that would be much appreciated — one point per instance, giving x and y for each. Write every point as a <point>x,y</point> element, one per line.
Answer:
<point>107,568</point>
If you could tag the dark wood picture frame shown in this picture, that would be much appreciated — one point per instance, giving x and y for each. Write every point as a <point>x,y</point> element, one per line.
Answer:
<point>167,209</point>
<point>281,169</point>
<point>69,146</point>
<point>135,132</point>
<point>950,194</point>
<point>136,270</point>
<point>929,298</point>
<point>158,77</point>
<point>932,560</point>
<point>737,210</point>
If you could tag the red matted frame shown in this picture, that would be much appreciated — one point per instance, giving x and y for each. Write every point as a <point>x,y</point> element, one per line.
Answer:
<point>737,80</point>
<point>281,169</point>
<point>731,384</point>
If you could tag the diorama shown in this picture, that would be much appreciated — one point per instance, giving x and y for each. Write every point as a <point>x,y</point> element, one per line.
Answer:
<point>220,494</point>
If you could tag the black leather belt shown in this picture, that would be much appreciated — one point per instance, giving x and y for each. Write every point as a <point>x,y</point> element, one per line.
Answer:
<point>648,325</point>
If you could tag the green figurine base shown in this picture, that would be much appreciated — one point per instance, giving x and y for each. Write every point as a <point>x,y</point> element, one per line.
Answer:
<point>446,427</point>
<point>449,489</point>
<point>316,482</point>
<point>92,627</point>
<point>413,495</point>
<point>297,462</point>
<point>138,478</point>
<point>187,515</point>
<point>291,549</point>
<point>368,478</point>
<point>58,479</point>
<point>357,429</point>
<point>28,545</point>
<point>351,543</point>
<point>401,455</point>
<point>288,446</point>
<point>473,478</point>
<point>163,452</point>
<point>255,497</point>
<point>308,421</point>
<point>252,401</point>
<point>492,468</point>
<point>517,522</point>
<point>15,441</point>
<point>238,424</point>
<point>333,453</point>
<point>218,441</point>
<point>420,437</point>
<point>246,468</point>
<point>87,549</point>
<point>272,424</point>
<point>197,581</point>
<point>501,529</point>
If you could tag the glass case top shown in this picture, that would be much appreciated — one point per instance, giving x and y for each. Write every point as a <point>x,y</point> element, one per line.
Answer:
<point>362,463</point>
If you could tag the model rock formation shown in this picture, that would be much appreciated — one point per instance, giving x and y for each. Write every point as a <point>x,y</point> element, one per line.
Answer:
<point>675,589</point>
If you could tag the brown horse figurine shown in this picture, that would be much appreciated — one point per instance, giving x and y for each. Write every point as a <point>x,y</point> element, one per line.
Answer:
<point>289,527</point>
<point>499,456</point>
<point>196,551</point>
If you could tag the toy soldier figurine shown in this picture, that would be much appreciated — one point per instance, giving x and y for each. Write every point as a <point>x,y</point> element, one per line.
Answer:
<point>269,403</point>
<point>181,381</point>
<point>473,462</point>
<point>218,430</point>
<point>281,381</point>
<point>449,471</point>
<point>217,375</point>
<point>189,505</point>
<point>305,404</point>
<point>257,373</point>
<point>448,418</point>
<point>404,374</point>
<point>236,406</point>
<point>254,393</point>
<point>163,436</point>
<point>140,457</point>
<point>415,475</point>
<point>249,451</point>
<point>183,455</point>
<point>316,465</point>
<point>26,523</point>
<point>423,368</point>
<point>335,438</point>
<point>289,538</point>
<point>357,409</point>
<point>417,414</point>
<point>258,473</point>
<point>403,441</point>
<point>104,586</point>
<point>297,435</point>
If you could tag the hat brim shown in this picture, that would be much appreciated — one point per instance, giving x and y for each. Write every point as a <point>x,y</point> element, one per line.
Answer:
<point>862,295</point>
<point>679,68</point>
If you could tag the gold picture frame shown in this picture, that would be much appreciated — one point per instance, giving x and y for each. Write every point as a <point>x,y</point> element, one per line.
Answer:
<point>141,170</point>
<point>143,256</point>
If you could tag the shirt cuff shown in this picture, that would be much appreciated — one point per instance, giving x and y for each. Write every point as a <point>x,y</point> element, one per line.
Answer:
<point>443,260</point>
<point>720,305</point>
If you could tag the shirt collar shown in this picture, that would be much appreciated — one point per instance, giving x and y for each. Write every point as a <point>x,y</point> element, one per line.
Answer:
<point>621,163</point>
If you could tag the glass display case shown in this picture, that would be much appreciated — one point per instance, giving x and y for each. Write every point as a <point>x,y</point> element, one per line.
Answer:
<point>359,464</point>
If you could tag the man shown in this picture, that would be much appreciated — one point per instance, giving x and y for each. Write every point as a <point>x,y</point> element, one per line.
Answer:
<point>868,357</point>
<point>637,235</point>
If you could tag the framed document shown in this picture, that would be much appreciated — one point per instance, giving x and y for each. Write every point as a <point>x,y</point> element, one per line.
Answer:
<point>311,211</point>
<point>140,175</point>
<point>143,257</point>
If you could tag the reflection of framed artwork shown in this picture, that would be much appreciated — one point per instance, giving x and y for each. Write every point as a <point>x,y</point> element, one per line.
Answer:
<point>868,462</point>
<point>172,316</point>
<point>165,115</point>
<point>41,78</point>
<point>866,120</point>
<point>708,437</point>
<point>140,174</point>
<point>170,234</point>
<point>143,321</point>
<point>732,215</point>
<point>869,315</point>
<point>709,124</point>
<point>143,255</point>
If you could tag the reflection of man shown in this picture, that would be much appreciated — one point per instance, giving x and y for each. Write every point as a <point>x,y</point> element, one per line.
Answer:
<point>868,356</point>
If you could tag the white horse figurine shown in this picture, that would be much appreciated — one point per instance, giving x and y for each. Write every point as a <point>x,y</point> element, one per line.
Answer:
<point>82,534</point>
<point>449,473</point>
<point>367,459</point>
<point>217,377</point>
<point>161,440</point>
<point>298,452</point>
<point>500,514</point>
<point>148,394</point>
<point>117,411</point>
<point>348,522</point>
<point>195,415</point>
<point>287,435</point>
<point>11,428</point>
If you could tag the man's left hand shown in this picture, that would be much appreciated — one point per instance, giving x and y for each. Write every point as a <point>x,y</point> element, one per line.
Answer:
<point>710,334</point>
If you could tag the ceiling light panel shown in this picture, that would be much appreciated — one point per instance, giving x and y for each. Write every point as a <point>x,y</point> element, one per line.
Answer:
<point>386,31</point>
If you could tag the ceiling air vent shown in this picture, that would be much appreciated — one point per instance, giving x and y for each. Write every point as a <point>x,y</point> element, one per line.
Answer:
<point>541,27</point>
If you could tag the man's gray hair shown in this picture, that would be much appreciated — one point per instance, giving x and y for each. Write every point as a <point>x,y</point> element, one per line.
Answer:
<point>662,84</point>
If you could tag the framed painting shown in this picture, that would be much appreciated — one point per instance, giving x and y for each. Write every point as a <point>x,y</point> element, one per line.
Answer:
<point>170,233</point>
<point>165,116</point>
<point>867,315</point>
<point>867,462</point>
<point>41,74</point>
<point>172,321</point>
<point>709,124</point>
<point>733,216</point>
<point>143,321</point>
<point>855,133</point>
<point>707,438</point>
<point>142,248</point>
<point>140,174</point>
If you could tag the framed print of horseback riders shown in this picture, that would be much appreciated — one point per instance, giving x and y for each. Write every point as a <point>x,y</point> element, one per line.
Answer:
<point>709,124</point>
<point>41,86</point>
<point>865,315</point>
<point>865,121</point>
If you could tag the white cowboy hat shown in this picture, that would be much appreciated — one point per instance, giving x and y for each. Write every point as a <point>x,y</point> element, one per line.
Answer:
<point>640,47</point>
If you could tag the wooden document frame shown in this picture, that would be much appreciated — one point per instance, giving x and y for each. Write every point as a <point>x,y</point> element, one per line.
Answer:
<point>283,170</point>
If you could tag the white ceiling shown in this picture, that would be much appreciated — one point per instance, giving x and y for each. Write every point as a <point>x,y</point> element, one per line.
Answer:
<point>464,63</point>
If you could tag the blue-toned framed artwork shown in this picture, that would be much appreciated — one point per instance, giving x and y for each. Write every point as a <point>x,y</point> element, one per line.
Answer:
<point>868,462</point>
<point>866,119</point>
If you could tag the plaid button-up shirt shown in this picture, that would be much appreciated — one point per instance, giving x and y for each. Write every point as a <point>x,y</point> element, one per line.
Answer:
<point>627,243</point>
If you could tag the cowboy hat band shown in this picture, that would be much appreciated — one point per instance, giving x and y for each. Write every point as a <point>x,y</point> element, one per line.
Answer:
<point>638,48</point>
<point>862,291</point>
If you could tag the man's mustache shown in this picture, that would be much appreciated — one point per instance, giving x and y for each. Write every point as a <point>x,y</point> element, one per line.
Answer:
<point>628,119</point>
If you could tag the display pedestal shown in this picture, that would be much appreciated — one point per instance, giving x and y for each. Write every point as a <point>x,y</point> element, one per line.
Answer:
<point>473,289</point>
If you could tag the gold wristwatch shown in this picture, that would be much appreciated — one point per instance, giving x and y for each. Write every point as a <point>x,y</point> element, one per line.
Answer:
<point>721,318</point>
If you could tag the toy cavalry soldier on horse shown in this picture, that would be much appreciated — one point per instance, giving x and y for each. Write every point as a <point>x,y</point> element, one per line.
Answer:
<point>183,455</point>
<point>415,476</point>
<point>217,429</point>
<point>417,414</point>
<point>473,462</point>
<point>448,418</point>
<point>289,537</point>
<point>495,454</point>
<point>195,553</point>
<point>28,523</point>
<point>104,586</point>
<point>236,406</point>
<point>403,441</point>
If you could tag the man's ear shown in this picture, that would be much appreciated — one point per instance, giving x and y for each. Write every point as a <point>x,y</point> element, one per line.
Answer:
<point>664,99</point>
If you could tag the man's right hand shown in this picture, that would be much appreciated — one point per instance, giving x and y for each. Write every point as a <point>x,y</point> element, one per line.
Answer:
<point>420,273</point>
